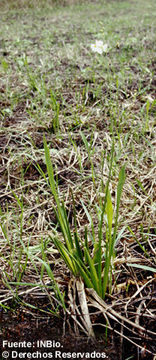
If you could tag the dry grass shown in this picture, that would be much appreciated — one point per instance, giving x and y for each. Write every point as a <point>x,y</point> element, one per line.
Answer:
<point>51,84</point>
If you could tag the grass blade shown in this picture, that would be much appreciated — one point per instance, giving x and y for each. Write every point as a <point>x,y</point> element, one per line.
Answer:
<point>93,272</point>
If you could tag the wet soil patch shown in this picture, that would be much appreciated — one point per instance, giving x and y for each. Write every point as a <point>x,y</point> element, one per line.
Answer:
<point>46,333</point>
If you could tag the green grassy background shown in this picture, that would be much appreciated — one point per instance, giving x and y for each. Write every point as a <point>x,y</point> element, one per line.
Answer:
<point>51,83</point>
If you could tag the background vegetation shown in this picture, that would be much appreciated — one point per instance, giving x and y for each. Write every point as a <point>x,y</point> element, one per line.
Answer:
<point>97,113</point>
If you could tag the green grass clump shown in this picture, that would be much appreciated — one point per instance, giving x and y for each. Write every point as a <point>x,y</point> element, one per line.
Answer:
<point>76,252</point>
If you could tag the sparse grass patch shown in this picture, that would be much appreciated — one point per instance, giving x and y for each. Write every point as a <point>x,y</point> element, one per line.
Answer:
<point>52,83</point>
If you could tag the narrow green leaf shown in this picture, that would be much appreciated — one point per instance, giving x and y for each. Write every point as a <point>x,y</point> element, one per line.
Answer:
<point>109,211</point>
<point>67,227</point>
<point>119,192</point>
<point>66,255</point>
<point>100,234</point>
<point>51,275</point>
<point>77,244</point>
<point>138,242</point>
<point>120,185</point>
<point>61,213</point>
<point>90,219</point>
<point>84,275</point>
<point>76,237</point>
<point>93,273</point>
<point>143,267</point>
<point>85,142</point>
<point>61,218</point>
